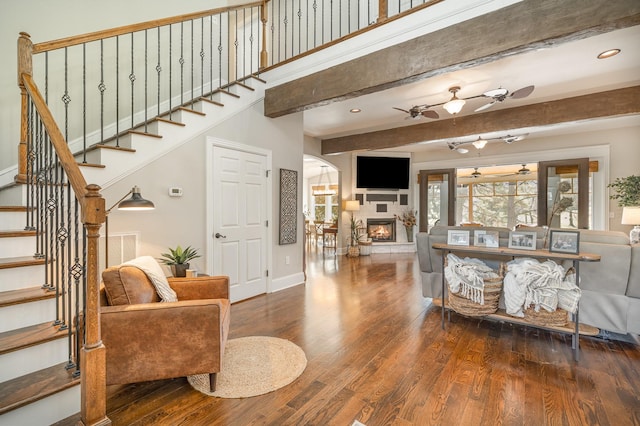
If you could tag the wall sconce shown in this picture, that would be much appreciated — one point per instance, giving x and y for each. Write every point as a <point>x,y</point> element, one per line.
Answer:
<point>135,203</point>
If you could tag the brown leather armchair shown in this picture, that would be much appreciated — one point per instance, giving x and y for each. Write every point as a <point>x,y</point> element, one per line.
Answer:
<point>146,339</point>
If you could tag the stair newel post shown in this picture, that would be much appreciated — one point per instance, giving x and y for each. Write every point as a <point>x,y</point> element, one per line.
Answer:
<point>264,56</point>
<point>93,405</point>
<point>25,66</point>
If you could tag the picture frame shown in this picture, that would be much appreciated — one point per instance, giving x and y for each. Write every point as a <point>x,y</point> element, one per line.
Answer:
<point>457,238</point>
<point>288,206</point>
<point>564,242</point>
<point>483,238</point>
<point>522,240</point>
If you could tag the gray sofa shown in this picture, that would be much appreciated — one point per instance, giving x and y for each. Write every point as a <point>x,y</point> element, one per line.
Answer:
<point>610,288</point>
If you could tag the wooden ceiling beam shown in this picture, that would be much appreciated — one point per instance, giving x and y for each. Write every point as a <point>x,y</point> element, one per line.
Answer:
<point>515,29</point>
<point>612,103</point>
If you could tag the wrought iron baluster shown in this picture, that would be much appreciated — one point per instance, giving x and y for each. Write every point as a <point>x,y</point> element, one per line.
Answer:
<point>31,135</point>
<point>299,27</point>
<point>66,99</point>
<point>159,70</point>
<point>146,80</point>
<point>170,71</point>
<point>220,52</point>
<point>235,47</point>
<point>210,40</point>
<point>84,103</point>
<point>201,57</point>
<point>117,91</point>
<point>132,79</point>
<point>101,89</point>
<point>181,61</point>
<point>192,62</point>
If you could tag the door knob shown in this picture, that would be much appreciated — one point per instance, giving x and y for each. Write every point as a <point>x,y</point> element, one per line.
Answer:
<point>219,235</point>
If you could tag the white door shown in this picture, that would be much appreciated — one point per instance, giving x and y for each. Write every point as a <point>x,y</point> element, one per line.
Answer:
<point>239,225</point>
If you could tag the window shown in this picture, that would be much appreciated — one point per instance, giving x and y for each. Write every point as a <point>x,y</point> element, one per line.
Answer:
<point>325,207</point>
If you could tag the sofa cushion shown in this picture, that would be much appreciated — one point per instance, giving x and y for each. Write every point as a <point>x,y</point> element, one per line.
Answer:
<point>128,285</point>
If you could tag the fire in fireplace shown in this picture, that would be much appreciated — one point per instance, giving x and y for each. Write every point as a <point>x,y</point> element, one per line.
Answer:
<point>381,229</point>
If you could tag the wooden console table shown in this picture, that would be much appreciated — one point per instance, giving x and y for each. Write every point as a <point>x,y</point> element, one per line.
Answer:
<point>513,253</point>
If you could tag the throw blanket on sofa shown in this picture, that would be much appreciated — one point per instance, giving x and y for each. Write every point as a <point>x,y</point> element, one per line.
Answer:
<point>154,272</point>
<point>466,277</point>
<point>541,285</point>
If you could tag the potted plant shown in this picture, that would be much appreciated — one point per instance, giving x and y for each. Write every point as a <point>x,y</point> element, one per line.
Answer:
<point>627,192</point>
<point>408,219</point>
<point>178,259</point>
<point>354,237</point>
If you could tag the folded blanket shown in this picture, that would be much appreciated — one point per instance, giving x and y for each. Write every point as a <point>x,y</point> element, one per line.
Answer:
<point>466,277</point>
<point>154,272</point>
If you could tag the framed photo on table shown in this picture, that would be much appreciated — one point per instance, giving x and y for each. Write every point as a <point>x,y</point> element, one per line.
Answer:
<point>522,240</point>
<point>483,238</point>
<point>564,242</point>
<point>457,238</point>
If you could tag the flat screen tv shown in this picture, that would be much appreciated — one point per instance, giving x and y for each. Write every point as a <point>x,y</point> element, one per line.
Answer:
<point>382,172</point>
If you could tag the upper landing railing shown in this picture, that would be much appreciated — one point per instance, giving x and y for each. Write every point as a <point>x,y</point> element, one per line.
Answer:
<point>93,88</point>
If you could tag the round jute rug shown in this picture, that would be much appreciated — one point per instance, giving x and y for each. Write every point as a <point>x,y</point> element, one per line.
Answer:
<point>254,366</point>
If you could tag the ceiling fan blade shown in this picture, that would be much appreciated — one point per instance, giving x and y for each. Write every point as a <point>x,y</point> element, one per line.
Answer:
<point>523,93</point>
<point>496,93</point>
<point>485,106</point>
<point>400,109</point>
<point>430,114</point>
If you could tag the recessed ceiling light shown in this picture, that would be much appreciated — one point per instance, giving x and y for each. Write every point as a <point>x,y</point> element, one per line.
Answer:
<point>355,110</point>
<point>608,53</point>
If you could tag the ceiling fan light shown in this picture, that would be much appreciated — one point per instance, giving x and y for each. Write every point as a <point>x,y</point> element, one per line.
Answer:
<point>454,106</point>
<point>480,143</point>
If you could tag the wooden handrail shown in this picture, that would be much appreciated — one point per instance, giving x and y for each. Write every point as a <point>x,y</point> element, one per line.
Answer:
<point>68,162</point>
<point>127,29</point>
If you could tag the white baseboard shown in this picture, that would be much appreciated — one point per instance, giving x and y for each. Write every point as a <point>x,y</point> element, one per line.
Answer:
<point>286,282</point>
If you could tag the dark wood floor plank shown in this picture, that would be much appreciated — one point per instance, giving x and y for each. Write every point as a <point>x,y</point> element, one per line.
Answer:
<point>377,353</point>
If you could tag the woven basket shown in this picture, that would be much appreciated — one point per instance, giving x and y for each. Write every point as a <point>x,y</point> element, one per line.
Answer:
<point>492,292</point>
<point>557,318</point>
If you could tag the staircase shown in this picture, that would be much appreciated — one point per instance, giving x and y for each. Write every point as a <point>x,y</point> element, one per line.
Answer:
<point>35,386</point>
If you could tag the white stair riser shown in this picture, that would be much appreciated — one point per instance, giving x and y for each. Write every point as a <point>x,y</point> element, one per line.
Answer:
<point>13,220</point>
<point>17,363</point>
<point>26,314</point>
<point>17,246</point>
<point>13,196</point>
<point>45,411</point>
<point>25,276</point>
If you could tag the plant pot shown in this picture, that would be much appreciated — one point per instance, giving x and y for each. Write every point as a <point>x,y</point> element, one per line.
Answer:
<point>179,269</point>
<point>354,251</point>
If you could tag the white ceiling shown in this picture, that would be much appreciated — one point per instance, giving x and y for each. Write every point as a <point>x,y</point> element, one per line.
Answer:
<point>558,72</point>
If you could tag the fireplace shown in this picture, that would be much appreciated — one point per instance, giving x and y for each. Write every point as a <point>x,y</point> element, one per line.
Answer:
<point>381,229</point>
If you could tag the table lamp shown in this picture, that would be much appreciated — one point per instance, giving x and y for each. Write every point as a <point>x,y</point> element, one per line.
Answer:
<point>631,216</point>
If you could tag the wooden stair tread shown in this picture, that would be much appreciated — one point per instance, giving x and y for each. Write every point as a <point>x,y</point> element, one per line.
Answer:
<point>17,233</point>
<point>32,387</point>
<point>501,315</point>
<point>16,262</point>
<point>193,111</point>
<point>253,77</point>
<point>98,166</point>
<point>14,209</point>
<point>25,295</point>
<point>166,120</point>
<point>112,147</point>
<point>245,86</point>
<point>137,132</point>
<point>226,92</point>
<point>211,101</point>
<point>32,335</point>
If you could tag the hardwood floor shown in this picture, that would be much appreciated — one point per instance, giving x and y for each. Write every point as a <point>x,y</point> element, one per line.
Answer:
<point>377,354</point>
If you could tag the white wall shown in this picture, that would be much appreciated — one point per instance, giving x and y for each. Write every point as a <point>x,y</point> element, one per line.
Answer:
<point>47,20</point>
<point>182,220</point>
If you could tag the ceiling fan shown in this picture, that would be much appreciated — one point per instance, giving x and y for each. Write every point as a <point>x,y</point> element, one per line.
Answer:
<point>475,174</point>
<point>509,139</point>
<point>522,172</point>
<point>419,111</point>
<point>456,146</point>
<point>501,94</point>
